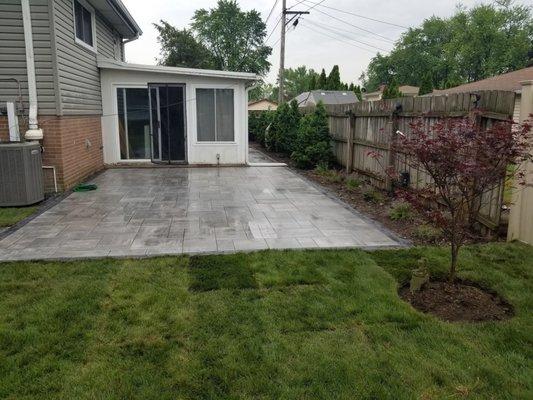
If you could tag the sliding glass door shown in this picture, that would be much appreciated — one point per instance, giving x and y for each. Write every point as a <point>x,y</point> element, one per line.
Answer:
<point>167,115</point>
<point>133,123</point>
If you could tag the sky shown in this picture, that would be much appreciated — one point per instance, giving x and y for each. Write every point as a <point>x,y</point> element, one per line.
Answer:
<point>319,41</point>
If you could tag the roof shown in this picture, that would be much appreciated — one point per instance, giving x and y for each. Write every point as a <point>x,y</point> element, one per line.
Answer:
<point>326,97</point>
<point>118,15</point>
<point>508,82</point>
<point>409,89</point>
<point>106,63</point>
<point>260,100</point>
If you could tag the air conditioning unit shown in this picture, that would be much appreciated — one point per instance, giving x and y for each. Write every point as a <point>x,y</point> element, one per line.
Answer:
<point>21,174</point>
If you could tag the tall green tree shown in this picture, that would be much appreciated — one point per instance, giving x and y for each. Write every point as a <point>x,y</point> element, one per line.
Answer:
<point>426,85</point>
<point>299,80</point>
<point>333,81</point>
<point>473,44</point>
<point>322,80</point>
<point>313,82</point>
<point>262,90</point>
<point>392,91</point>
<point>179,48</point>
<point>312,145</point>
<point>281,136</point>
<point>224,37</point>
<point>234,37</point>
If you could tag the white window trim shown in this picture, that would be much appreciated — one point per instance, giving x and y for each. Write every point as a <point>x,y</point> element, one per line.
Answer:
<point>235,119</point>
<point>116,123</point>
<point>93,25</point>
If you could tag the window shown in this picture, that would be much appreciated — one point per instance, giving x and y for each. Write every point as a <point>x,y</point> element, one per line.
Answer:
<point>133,123</point>
<point>215,115</point>
<point>84,23</point>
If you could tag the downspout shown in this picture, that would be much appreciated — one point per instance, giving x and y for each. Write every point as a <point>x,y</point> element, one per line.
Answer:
<point>33,132</point>
<point>248,87</point>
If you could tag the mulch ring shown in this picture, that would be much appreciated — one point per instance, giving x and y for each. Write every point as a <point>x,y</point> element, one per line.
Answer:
<point>458,301</point>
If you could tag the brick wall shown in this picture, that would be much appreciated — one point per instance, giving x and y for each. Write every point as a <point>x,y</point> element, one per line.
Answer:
<point>72,144</point>
<point>4,129</point>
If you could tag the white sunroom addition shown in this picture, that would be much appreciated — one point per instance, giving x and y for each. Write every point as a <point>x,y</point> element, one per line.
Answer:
<point>174,115</point>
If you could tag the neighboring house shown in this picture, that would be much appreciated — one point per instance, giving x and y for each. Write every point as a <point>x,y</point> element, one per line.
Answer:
<point>62,62</point>
<point>327,97</point>
<point>508,82</point>
<point>262,105</point>
<point>406,90</point>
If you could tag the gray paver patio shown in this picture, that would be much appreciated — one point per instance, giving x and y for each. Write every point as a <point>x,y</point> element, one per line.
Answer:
<point>150,211</point>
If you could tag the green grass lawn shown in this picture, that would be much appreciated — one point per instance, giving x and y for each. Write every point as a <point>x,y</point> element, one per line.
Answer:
<point>11,215</point>
<point>267,325</point>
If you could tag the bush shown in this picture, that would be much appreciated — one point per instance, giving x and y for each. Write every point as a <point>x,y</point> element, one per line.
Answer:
<point>258,122</point>
<point>312,144</point>
<point>322,168</point>
<point>373,196</point>
<point>331,175</point>
<point>284,128</point>
<point>427,233</point>
<point>401,212</point>
<point>334,176</point>
<point>353,183</point>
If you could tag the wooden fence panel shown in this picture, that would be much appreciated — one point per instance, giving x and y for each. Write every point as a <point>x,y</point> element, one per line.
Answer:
<point>367,127</point>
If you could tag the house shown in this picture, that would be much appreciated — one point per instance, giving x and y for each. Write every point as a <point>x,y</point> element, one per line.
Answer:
<point>327,97</point>
<point>262,105</point>
<point>406,90</point>
<point>510,81</point>
<point>63,65</point>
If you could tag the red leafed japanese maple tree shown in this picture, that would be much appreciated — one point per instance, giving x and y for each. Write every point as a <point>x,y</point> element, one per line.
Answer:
<point>464,160</point>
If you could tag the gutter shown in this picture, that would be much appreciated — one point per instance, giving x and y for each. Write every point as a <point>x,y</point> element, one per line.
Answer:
<point>124,14</point>
<point>34,132</point>
<point>131,40</point>
<point>105,63</point>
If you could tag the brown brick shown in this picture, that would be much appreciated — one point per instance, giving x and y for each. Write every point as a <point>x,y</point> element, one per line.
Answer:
<point>66,146</point>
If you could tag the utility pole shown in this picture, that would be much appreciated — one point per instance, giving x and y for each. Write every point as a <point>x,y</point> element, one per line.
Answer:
<point>284,13</point>
<point>281,97</point>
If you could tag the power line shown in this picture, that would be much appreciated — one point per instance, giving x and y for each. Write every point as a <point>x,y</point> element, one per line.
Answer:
<point>338,39</point>
<point>350,32</point>
<point>289,30</point>
<point>273,29</point>
<point>351,39</point>
<point>271,10</point>
<point>325,27</point>
<point>357,15</point>
<point>355,26</point>
<point>316,4</point>
<point>300,2</point>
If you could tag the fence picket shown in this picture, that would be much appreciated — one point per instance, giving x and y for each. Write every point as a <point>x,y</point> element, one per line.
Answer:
<point>370,126</point>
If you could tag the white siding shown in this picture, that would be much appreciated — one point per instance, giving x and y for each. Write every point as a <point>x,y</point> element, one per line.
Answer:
<point>197,152</point>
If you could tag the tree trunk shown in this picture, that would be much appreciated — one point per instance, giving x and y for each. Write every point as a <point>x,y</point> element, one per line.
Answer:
<point>453,265</point>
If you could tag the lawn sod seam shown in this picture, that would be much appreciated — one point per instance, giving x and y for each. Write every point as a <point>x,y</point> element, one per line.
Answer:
<point>271,325</point>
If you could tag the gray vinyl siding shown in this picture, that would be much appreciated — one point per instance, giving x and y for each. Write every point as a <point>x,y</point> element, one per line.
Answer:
<point>68,79</point>
<point>13,54</point>
<point>78,74</point>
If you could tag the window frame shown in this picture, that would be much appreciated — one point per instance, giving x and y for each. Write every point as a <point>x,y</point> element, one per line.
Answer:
<point>233,88</point>
<point>91,11</point>
<point>115,86</point>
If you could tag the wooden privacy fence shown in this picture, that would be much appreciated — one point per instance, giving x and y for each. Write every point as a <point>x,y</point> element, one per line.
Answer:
<point>371,126</point>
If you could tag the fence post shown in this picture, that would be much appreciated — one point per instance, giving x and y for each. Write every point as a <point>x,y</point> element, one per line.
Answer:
<point>392,145</point>
<point>349,142</point>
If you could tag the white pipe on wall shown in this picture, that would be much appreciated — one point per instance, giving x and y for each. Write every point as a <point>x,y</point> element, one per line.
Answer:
<point>33,133</point>
<point>13,122</point>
